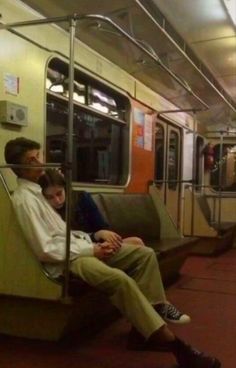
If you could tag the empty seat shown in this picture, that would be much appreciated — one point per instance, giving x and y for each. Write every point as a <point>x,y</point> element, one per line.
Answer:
<point>214,238</point>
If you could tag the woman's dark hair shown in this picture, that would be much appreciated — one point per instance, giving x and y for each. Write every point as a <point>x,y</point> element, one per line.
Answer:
<point>16,148</point>
<point>85,213</point>
<point>51,177</point>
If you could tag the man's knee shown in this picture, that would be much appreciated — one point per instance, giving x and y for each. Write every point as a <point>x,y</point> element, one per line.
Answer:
<point>147,252</point>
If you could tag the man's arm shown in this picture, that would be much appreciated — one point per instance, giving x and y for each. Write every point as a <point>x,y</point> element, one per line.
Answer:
<point>48,242</point>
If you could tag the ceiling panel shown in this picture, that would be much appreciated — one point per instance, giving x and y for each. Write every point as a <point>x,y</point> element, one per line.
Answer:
<point>220,55</point>
<point>204,26</point>
<point>197,20</point>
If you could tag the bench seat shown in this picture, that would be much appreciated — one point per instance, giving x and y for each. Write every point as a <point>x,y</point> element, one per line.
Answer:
<point>137,215</point>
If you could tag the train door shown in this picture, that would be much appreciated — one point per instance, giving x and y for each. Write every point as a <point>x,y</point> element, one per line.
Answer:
<point>167,167</point>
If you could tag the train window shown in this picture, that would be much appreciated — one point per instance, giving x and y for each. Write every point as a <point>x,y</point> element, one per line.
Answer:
<point>173,160</point>
<point>102,102</point>
<point>199,162</point>
<point>100,129</point>
<point>160,152</point>
<point>226,166</point>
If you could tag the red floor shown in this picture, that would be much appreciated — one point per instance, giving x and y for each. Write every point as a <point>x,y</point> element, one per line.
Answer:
<point>206,290</point>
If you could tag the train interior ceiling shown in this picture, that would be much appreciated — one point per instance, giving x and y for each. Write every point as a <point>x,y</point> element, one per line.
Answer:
<point>184,77</point>
<point>193,39</point>
<point>154,142</point>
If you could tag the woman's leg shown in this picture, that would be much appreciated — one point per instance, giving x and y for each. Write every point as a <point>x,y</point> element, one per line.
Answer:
<point>134,240</point>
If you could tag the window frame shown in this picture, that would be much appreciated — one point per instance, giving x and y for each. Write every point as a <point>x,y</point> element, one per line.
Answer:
<point>219,187</point>
<point>123,104</point>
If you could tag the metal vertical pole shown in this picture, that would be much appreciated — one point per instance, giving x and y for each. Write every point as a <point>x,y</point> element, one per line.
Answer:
<point>69,158</point>
<point>193,175</point>
<point>220,178</point>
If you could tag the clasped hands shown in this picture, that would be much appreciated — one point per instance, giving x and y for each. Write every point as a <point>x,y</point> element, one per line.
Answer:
<point>108,243</point>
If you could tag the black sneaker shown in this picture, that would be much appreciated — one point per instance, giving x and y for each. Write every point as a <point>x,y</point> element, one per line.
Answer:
<point>171,314</point>
<point>188,357</point>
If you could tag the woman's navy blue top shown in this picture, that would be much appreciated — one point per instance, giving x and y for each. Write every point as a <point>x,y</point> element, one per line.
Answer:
<point>85,214</point>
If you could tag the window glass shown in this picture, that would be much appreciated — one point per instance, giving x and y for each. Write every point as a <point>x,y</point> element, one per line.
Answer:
<point>160,150</point>
<point>173,160</point>
<point>100,129</point>
<point>199,163</point>
<point>104,103</point>
<point>58,83</point>
<point>227,163</point>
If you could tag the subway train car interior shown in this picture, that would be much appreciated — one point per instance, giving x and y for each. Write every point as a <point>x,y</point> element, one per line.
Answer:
<point>133,104</point>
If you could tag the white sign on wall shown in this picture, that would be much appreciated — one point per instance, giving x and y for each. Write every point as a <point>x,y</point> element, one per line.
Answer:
<point>148,132</point>
<point>11,84</point>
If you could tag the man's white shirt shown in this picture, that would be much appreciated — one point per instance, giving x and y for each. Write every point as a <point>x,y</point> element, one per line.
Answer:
<point>44,229</point>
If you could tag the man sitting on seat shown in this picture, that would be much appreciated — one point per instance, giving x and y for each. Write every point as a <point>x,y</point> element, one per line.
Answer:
<point>128,275</point>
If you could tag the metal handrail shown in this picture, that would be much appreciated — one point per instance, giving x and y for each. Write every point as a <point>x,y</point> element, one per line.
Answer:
<point>29,166</point>
<point>172,181</point>
<point>126,35</point>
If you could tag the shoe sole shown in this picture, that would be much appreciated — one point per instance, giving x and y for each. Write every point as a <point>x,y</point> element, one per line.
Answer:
<point>217,364</point>
<point>177,322</point>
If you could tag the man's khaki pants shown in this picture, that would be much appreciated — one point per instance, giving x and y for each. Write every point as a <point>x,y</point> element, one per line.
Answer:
<point>132,280</point>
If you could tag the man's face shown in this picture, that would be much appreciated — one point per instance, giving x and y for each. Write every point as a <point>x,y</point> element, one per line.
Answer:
<point>31,157</point>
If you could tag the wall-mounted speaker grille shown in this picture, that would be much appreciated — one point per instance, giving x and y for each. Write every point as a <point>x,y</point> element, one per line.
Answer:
<point>11,113</point>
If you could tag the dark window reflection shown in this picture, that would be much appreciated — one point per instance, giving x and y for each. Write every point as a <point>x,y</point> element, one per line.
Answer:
<point>173,160</point>
<point>159,154</point>
<point>97,145</point>
<point>226,166</point>
<point>199,154</point>
<point>100,131</point>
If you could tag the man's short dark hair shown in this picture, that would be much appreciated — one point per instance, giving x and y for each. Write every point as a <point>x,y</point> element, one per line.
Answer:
<point>16,148</point>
